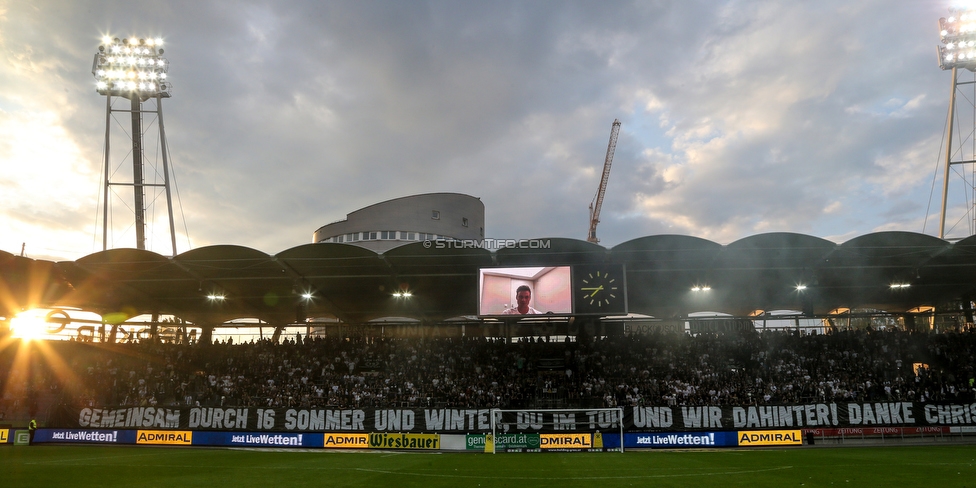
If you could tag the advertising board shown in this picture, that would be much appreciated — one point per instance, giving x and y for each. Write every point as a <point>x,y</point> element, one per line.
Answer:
<point>525,442</point>
<point>257,439</point>
<point>21,438</point>
<point>405,441</point>
<point>575,441</point>
<point>770,438</point>
<point>85,436</point>
<point>333,440</point>
<point>165,437</point>
<point>673,440</point>
<point>475,442</point>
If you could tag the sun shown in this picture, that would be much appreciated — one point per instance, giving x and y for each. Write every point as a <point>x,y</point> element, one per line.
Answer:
<point>29,325</point>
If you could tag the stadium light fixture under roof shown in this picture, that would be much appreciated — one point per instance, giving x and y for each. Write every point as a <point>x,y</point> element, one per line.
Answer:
<point>132,67</point>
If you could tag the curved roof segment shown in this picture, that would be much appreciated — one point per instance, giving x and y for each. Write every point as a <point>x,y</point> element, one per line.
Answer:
<point>776,271</point>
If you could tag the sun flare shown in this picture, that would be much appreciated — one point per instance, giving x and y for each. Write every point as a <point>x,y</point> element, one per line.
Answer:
<point>29,325</point>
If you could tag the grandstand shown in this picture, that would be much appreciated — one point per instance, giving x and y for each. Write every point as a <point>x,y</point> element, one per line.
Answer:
<point>349,352</point>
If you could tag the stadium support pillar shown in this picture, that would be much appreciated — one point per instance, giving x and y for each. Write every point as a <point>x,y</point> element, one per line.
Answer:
<point>111,336</point>
<point>154,328</point>
<point>137,180</point>
<point>967,310</point>
<point>832,327</point>
<point>206,335</point>
<point>910,323</point>
<point>807,305</point>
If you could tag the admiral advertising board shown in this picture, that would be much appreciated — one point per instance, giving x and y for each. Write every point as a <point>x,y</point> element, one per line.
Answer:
<point>165,437</point>
<point>333,440</point>
<point>770,438</point>
<point>566,442</point>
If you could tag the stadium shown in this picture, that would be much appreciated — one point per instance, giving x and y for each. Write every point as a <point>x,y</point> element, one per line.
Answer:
<point>397,352</point>
<point>402,346</point>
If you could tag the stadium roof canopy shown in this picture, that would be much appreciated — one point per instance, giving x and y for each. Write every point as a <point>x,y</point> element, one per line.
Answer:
<point>760,272</point>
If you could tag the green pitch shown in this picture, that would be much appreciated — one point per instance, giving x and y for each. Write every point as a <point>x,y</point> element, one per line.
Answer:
<point>80,466</point>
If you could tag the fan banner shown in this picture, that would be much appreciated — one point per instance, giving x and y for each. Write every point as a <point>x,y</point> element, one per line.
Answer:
<point>448,420</point>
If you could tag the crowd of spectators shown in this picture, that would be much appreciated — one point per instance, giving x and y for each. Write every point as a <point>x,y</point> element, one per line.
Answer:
<point>654,369</point>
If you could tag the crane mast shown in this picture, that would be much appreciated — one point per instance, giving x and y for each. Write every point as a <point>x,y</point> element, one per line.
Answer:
<point>597,202</point>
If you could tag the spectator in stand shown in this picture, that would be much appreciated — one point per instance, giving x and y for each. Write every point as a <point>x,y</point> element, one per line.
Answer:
<point>653,369</point>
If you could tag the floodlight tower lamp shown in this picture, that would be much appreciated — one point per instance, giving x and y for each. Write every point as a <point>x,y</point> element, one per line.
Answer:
<point>957,33</point>
<point>958,36</point>
<point>134,69</point>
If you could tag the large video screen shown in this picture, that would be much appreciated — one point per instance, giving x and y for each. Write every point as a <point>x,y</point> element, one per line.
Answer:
<point>525,291</point>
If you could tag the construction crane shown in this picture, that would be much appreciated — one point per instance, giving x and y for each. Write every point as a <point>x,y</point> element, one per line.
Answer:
<point>597,202</point>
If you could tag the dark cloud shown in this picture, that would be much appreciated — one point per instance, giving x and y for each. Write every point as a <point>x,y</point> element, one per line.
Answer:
<point>738,118</point>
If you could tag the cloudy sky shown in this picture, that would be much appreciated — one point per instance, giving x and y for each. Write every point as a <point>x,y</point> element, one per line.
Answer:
<point>738,117</point>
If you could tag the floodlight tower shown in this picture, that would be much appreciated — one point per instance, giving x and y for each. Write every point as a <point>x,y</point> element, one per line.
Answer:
<point>134,69</point>
<point>958,51</point>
